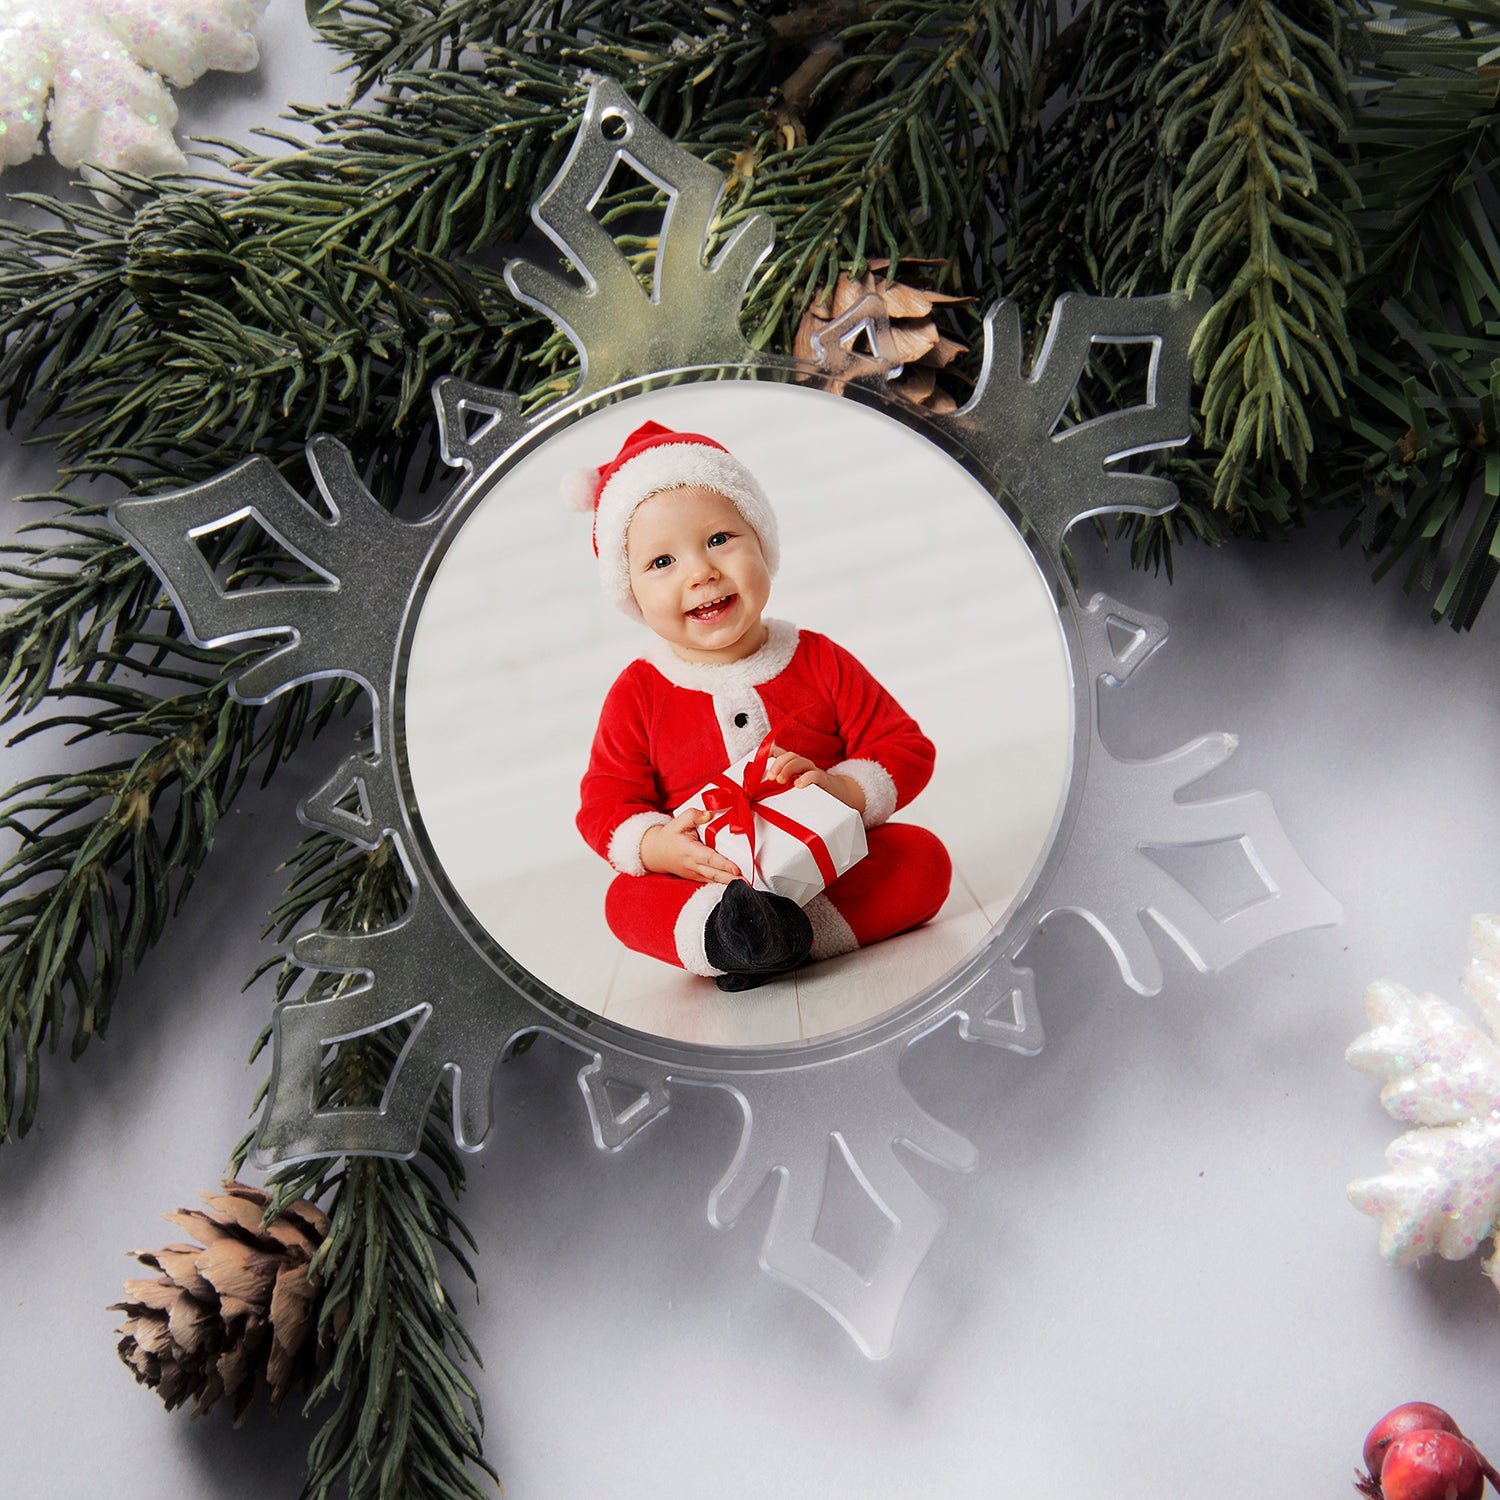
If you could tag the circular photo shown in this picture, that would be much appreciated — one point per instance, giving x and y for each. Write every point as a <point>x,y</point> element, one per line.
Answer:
<point>737,713</point>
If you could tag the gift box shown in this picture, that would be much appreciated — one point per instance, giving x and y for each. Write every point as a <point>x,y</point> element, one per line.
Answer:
<point>789,840</point>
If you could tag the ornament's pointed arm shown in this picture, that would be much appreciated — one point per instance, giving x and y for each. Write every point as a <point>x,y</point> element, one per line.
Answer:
<point>1057,476</point>
<point>690,315</point>
<point>776,1143</point>
<point>1116,904</point>
<point>351,545</point>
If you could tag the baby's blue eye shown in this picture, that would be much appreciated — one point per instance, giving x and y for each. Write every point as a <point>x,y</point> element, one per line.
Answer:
<point>660,562</point>
<point>718,539</point>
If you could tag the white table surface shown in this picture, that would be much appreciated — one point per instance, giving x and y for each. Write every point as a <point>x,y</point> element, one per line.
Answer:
<point>1152,1284</point>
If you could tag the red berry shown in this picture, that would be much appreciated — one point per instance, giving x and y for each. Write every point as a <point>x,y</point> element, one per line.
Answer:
<point>1415,1416</point>
<point>1431,1466</point>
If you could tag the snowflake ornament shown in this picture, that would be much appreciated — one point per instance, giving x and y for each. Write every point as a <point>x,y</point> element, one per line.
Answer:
<point>1442,1076</point>
<point>93,71</point>
<point>823,1106</point>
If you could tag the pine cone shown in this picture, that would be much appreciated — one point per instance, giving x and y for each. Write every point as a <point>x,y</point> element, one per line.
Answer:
<point>917,344</point>
<point>232,1315</point>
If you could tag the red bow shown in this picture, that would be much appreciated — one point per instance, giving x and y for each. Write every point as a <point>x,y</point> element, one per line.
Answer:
<point>738,806</point>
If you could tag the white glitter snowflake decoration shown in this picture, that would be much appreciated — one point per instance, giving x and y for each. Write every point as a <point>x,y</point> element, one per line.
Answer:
<point>93,72</point>
<point>1442,1076</point>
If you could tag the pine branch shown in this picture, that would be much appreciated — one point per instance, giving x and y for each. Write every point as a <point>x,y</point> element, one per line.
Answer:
<point>106,855</point>
<point>270,337</point>
<point>1422,448</point>
<point>326,292</point>
<point>1096,187</point>
<point>1158,172</point>
<point>65,600</point>
<point>402,1421</point>
<point>914,161</point>
<point>407,1423</point>
<point>1097,182</point>
<point>109,852</point>
<point>1259,97</point>
<point>391,36</point>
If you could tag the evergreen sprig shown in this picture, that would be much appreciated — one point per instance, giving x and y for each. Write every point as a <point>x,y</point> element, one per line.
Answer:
<point>1097,184</point>
<point>400,1418</point>
<point>1424,452</point>
<point>66,597</point>
<point>106,854</point>
<point>1259,96</point>
<point>1328,172</point>
<point>1200,147</point>
<point>1097,181</point>
<point>901,149</point>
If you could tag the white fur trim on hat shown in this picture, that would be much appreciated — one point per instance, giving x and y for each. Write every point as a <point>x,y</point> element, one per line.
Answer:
<point>670,466</point>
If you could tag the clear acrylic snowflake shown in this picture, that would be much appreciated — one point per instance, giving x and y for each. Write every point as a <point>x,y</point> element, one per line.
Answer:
<point>812,1109</point>
<point>1441,1073</point>
<point>95,74</point>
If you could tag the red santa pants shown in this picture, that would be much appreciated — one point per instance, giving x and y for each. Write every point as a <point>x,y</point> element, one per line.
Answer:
<point>899,884</point>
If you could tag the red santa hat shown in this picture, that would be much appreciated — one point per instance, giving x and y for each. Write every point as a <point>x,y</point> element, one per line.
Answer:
<point>654,458</point>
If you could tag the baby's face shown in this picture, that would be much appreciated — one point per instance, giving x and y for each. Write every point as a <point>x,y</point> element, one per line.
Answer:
<point>698,574</point>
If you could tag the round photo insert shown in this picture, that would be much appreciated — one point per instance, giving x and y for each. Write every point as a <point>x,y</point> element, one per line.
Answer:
<point>737,713</point>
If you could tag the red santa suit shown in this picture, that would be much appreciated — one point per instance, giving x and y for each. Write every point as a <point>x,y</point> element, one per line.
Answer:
<point>669,725</point>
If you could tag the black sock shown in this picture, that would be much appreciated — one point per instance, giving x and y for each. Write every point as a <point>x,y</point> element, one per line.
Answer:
<point>754,936</point>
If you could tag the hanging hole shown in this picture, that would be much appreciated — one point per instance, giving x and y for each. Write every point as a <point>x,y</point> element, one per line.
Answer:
<point>614,126</point>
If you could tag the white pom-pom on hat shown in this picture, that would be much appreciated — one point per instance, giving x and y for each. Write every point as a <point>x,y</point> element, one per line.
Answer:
<point>580,488</point>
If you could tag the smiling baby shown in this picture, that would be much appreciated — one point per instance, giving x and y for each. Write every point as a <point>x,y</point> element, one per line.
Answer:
<point>687,543</point>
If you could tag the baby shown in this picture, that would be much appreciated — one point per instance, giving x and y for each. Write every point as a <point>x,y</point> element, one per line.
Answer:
<point>686,541</point>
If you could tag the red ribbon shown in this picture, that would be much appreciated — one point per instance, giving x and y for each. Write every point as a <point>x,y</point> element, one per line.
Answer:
<point>738,806</point>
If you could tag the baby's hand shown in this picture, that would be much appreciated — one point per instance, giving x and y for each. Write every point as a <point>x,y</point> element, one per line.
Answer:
<point>675,849</point>
<point>785,765</point>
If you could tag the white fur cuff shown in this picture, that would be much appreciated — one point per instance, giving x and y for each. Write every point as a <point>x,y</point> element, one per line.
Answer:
<point>625,841</point>
<point>875,782</point>
<point>832,935</point>
<point>688,932</point>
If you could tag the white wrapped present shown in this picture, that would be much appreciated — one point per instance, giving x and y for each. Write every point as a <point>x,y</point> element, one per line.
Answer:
<point>803,837</point>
